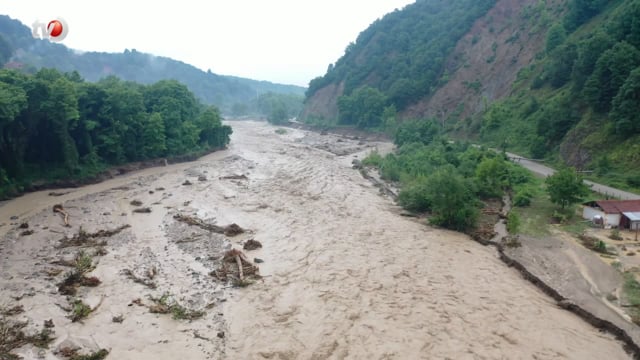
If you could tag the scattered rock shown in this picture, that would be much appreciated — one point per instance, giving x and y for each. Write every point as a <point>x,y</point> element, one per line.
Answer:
<point>106,213</point>
<point>159,189</point>
<point>144,210</point>
<point>258,260</point>
<point>24,225</point>
<point>53,193</point>
<point>27,233</point>
<point>408,214</point>
<point>233,230</point>
<point>202,178</point>
<point>118,319</point>
<point>18,309</point>
<point>49,324</point>
<point>252,244</point>
<point>220,334</point>
<point>136,203</point>
<point>187,183</point>
<point>151,192</point>
<point>14,217</point>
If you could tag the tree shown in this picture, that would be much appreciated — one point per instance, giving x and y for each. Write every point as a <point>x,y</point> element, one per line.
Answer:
<point>492,175</point>
<point>363,108</point>
<point>566,187</point>
<point>452,200</point>
<point>611,71</point>
<point>278,113</point>
<point>625,112</point>
<point>556,36</point>
<point>153,136</point>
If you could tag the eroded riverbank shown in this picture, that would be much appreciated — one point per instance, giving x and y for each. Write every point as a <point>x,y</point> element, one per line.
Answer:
<point>345,275</point>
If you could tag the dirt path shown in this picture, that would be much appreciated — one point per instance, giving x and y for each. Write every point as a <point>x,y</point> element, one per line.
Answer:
<point>345,275</point>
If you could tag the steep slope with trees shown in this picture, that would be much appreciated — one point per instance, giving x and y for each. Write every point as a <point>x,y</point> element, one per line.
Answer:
<point>57,126</point>
<point>554,79</point>
<point>400,59</point>
<point>213,89</point>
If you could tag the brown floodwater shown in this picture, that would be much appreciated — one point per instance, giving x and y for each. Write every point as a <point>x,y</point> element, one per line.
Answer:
<point>345,275</point>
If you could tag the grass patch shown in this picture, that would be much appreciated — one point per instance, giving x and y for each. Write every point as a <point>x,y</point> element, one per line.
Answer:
<point>575,226</point>
<point>72,354</point>
<point>13,336</point>
<point>631,289</point>
<point>79,311</point>
<point>535,218</point>
<point>164,305</point>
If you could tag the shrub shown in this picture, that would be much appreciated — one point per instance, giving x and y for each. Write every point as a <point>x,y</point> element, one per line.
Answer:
<point>414,196</point>
<point>615,235</point>
<point>523,197</point>
<point>513,222</point>
<point>373,159</point>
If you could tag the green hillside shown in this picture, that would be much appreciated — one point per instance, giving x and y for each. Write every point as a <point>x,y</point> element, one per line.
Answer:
<point>579,103</point>
<point>549,79</point>
<point>398,59</point>
<point>222,91</point>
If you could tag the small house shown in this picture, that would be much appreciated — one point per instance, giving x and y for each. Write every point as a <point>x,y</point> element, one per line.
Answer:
<point>624,214</point>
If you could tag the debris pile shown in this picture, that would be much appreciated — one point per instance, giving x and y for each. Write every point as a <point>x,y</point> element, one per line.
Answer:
<point>229,230</point>
<point>237,268</point>
<point>83,238</point>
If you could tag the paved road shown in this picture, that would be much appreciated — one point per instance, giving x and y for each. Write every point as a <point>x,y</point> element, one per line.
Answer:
<point>545,171</point>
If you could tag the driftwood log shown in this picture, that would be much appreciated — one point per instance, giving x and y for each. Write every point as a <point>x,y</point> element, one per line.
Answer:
<point>240,272</point>
<point>65,215</point>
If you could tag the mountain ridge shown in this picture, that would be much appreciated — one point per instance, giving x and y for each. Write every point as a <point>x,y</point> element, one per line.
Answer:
<point>223,91</point>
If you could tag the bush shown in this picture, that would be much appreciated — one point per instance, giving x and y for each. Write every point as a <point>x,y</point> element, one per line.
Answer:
<point>633,180</point>
<point>513,222</point>
<point>414,196</point>
<point>615,235</point>
<point>373,159</point>
<point>523,197</point>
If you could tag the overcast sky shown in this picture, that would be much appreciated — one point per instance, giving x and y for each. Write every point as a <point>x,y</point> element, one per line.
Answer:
<point>285,41</point>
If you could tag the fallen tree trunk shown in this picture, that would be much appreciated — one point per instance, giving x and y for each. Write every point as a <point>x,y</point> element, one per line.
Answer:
<point>240,271</point>
<point>59,209</point>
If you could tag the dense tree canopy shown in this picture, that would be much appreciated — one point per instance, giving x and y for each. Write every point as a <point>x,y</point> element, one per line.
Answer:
<point>446,178</point>
<point>56,125</point>
<point>210,88</point>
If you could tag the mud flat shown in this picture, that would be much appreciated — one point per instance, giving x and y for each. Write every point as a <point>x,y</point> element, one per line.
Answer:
<point>344,275</point>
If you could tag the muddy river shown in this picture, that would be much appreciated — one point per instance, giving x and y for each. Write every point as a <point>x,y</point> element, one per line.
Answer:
<point>345,276</point>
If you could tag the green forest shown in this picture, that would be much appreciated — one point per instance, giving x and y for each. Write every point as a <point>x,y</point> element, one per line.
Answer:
<point>56,125</point>
<point>18,45</point>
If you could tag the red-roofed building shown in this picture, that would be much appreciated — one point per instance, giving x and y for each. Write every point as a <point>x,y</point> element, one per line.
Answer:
<point>624,214</point>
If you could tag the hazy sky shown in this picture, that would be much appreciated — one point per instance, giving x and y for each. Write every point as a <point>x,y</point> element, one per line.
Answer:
<point>286,41</point>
